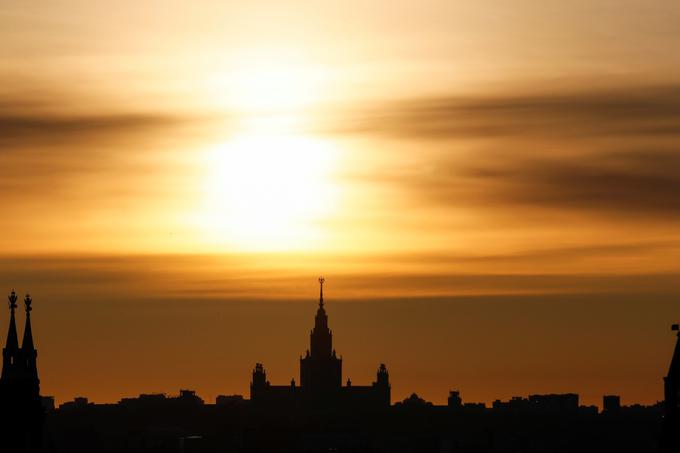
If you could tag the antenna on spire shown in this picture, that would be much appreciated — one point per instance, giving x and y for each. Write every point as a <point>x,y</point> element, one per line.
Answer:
<point>321,282</point>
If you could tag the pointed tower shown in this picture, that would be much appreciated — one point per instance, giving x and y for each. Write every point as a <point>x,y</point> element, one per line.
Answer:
<point>321,337</point>
<point>670,433</point>
<point>11,353</point>
<point>28,351</point>
<point>321,369</point>
<point>20,388</point>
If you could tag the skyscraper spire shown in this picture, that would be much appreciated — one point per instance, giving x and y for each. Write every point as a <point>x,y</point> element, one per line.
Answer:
<point>27,342</point>
<point>321,282</point>
<point>12,339</point>
<point>320,369</point>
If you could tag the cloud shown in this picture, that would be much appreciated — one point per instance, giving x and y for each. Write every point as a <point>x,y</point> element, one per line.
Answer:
<point>619,183</point>
<point>607,152</point>
<point>631,111</point>
<point>228,278</point>
<point>631,183</point>
<point>50,141</point>
<point>22,125</point>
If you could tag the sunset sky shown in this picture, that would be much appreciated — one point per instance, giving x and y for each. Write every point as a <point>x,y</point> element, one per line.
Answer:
<point>491,189</point>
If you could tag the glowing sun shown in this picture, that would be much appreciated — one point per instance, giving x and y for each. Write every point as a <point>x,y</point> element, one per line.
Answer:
<point>268,192</point>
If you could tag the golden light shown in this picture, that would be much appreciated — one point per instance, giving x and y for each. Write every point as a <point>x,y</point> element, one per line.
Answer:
<point>268,192</point>
<point>269,187</point>
<point>267,81</point>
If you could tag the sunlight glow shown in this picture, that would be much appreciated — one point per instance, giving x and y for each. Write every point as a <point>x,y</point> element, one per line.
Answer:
<point>268,192</point>
<point>268,81</point>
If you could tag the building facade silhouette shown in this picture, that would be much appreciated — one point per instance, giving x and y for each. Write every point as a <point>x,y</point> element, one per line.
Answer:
<point>321,377</point>
<point>670,431</point>
<point>21,416</point>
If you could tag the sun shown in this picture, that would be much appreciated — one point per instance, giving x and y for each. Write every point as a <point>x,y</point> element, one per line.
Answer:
<point>270,186</point>
<point>268,192</point>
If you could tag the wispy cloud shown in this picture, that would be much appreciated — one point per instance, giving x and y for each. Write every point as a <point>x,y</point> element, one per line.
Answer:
<point>608,152</point>
<point>46,118</point>
<point>629,183</point>
<point>637,110</point>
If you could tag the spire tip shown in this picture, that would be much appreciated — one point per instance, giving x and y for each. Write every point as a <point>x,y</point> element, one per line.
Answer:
<point>12,298</point>
<point>27,301</point>
<point>321,282</point>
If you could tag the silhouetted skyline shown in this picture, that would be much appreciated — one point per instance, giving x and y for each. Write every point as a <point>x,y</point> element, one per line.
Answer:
<point>490,187</point>
<point>320,414</point>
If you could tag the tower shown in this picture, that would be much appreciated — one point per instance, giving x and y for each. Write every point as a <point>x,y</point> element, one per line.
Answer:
<point>21,413</point>
<point>670,432</point>
<point>10,353</point>
<point>320,368</point>
<point>382,386</point>
<point>259,384</point>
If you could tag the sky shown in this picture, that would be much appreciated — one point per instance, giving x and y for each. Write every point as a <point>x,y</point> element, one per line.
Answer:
<point>490,189</point>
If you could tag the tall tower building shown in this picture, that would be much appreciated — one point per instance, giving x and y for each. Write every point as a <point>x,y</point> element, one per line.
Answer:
<point>320,368</point>
<point>320,378</point>
<point>21,413</point>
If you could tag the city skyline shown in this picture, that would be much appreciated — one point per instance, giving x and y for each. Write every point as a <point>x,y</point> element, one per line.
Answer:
<point>490,188</point>
<point>322,343</point>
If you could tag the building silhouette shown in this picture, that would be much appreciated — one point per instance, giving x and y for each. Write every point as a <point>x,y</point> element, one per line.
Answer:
<point>670,431</point>
<point>320,378</point>
<point>323,412</point>
<point>611,404</point>
<point>21,406</point>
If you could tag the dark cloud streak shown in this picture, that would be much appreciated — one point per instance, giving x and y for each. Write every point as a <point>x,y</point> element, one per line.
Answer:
<point>45,128</point>
<point>612,152</point>
<point>651,110</point>
<point>622,183</point>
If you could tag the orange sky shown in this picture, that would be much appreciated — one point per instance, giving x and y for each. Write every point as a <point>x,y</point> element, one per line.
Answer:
<point>489,188</point>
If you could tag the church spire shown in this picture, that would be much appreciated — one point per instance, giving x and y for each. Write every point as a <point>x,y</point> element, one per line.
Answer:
<point>12,339</point>
<point>27,343</point>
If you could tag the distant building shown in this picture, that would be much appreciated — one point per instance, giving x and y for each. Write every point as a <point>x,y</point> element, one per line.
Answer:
<point>21,408</point>
<point>555,403</point>
<point>590,411</point>
<point>79,402</point>
<point>562,404</point>
<point>186,398</point>
<point>320,377</point>
<point>413,402</point>
<point>611,404</point>
<point>229,400</point>
<point>670,433</point>
<point>454,400</point>
<point>474,407</point>
<point>47,403</point>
